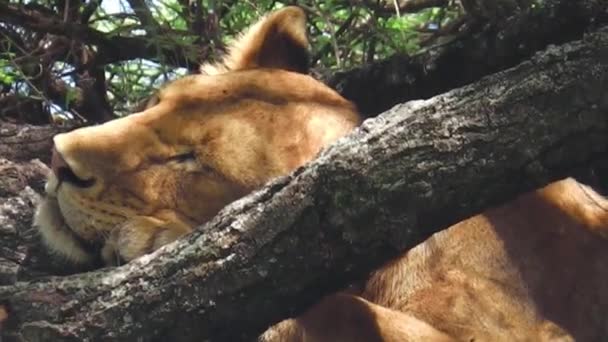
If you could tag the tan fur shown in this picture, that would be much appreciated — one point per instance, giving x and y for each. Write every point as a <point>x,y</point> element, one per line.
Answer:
<point>264,44</point>
<point>535,269</point>
<point>245,124</point>
<point>347,318</point>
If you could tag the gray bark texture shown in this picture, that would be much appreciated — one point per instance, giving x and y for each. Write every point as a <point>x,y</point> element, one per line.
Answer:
<point>26,142</point>
<point>400,177</point>
<point>23,151</point>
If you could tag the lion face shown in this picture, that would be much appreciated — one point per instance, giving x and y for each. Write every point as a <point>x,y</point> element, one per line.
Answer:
<point>125,188</point>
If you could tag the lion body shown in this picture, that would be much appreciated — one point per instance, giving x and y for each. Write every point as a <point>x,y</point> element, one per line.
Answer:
<point>127,187</point>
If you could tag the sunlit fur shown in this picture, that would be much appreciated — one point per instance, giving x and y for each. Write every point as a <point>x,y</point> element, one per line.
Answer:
<point>535,269</point>
<point>263,46</point>
<point>248,121</point>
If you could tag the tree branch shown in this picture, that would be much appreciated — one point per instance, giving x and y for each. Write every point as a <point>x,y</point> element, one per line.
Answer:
<point>405,6</point>
<point>22,109</point>
<point>327,46</point>
<point>88,10</point>
<point>111,49</point>
<point>464,59</point>
<point>20,143</point>
<point>399,178</point>
<point>145,17</point>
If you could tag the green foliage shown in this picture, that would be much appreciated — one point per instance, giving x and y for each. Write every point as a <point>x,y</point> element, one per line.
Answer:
<point>342,36</point>
<point>368,37</point>
<point>8,74</point>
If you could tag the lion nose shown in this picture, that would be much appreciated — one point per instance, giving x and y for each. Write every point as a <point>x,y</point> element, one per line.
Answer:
<point>63,171</point>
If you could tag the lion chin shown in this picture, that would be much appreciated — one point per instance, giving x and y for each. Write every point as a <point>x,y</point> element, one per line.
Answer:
<point>127,187</point>
<point>57,236</point>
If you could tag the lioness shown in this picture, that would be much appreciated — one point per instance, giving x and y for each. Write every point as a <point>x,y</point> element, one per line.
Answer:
<point>129,186</point>
<point>535,269</point>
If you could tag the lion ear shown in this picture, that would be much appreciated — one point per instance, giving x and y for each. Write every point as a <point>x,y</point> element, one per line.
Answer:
<point>277,41</point>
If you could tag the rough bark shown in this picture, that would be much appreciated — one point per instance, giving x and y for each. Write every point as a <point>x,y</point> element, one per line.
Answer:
<point>26,142</point>
<point>402,176</point>
<point>23,151</point>
<point>465,57</point>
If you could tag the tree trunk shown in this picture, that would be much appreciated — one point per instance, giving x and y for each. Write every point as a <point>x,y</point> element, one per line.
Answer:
<point>402,176</point>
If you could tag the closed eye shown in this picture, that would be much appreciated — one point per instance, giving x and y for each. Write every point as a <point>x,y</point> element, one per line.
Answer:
<point>182,158</point>
<point>187,161</point>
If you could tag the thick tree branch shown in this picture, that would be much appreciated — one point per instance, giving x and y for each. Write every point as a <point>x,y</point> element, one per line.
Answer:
<point>19,184</point>
<point>22,174</point>
<point>400,177</point>
<point>25,142</point>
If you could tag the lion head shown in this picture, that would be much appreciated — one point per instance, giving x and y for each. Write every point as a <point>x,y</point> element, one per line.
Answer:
<point>124,188</point>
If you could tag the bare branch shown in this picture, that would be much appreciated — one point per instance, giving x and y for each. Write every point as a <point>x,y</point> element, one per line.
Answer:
<point>404,6</point>
<point>111,49</point>
<point>145,17</point>
<point>343,28</point>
